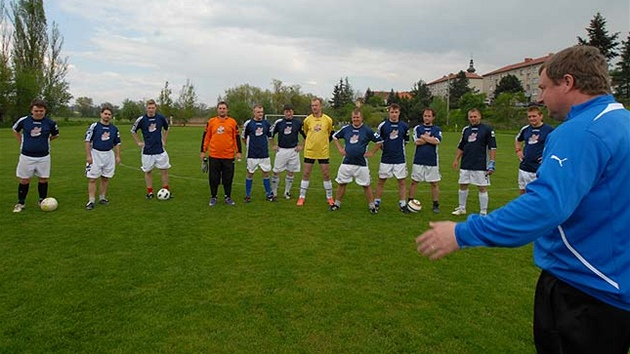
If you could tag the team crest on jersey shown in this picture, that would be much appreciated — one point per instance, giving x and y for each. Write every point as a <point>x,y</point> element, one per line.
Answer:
<point>472,137</point>
<point>259,131</point>
<point>318,127</point>
<point>354,139</point>
<point>287,130</point>
<point>394,134</point>
<point>105,136</point>
<point>37,131</point>
<point>152,127</point>
<point>533,139</point>
<point>220,129</point>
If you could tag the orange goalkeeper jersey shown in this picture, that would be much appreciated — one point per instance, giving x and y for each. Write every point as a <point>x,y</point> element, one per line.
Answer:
<point>221,138</point>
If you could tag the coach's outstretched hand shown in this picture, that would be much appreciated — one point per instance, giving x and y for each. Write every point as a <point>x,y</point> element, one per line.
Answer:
<point>438,241</point>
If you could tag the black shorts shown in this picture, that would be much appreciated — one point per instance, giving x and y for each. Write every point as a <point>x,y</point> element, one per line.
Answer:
<point>567,320</point>
<point>321,161</point>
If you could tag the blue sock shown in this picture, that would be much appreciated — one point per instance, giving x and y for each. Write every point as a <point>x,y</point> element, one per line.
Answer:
<point>248,187</point>
<point>267,185</point>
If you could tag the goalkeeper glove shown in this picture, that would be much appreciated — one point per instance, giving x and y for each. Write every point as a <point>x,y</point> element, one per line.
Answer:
<point>490,167</point>
<point>204,165</point>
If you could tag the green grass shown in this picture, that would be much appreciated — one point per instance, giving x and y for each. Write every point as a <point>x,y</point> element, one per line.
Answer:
<point>143,276</point>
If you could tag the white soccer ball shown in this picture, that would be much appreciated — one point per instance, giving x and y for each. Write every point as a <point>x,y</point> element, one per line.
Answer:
<point>414,205</point>
<point>163,194</point>
<point>49,204</point>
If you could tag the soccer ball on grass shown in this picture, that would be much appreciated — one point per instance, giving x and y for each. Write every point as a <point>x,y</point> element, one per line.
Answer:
<point>163,194</point>
<point>49,204</point>
<point>414,205</point>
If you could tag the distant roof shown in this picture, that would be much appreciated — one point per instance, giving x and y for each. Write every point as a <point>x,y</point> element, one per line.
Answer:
<point>525,63</point>
<point>452,76</point>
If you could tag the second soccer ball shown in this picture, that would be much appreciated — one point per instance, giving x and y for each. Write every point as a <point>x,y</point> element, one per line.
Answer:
<point>163,194</point>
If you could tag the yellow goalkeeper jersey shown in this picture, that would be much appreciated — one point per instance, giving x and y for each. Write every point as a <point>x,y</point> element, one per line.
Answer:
<point>317,131</point>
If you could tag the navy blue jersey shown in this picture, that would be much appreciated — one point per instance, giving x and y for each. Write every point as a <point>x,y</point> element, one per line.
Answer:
<point>288,131</point>
<point>394,135</point>
<point>151,128</point>
<point>102,137</point>
<point>36,135</point>
<point>426,154</point>
<point>357,140</point>
<point>534,139</point>
<point>475,142</point>
<point>257,134</point>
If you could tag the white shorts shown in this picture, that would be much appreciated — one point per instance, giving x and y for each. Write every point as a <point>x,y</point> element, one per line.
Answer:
<point>476,178</point>
<point>161,161</point>
<point>360,174</point>
<point>525,178</point>
<point>387,170</point>
<point>287,159</point>
<point>103,164</point>
<point>29,166</point>
<point>424,173</point>
<point>253,164</point>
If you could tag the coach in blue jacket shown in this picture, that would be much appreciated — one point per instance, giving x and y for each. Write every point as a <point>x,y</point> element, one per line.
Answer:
<point>577,213</point>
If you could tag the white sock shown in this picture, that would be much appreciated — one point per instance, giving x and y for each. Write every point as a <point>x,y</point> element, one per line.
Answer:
<point>483,201</point>
<point>303,188</point>
<point>328,188</point>
<point>288,183</point>
<point>274,184</point>
<point>463,195</point>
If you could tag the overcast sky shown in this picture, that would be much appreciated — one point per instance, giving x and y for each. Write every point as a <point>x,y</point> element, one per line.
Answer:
<point>121,49</point>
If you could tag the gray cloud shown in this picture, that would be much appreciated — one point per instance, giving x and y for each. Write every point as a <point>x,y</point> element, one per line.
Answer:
<point>128,48</point>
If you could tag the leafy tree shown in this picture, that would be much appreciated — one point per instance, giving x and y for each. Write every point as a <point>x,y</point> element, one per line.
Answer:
<point>165,101</point>
<point>186,102</point>
<point>342,94</point>
<point>621,76</point>
<point>131,110</point>
<point>457,88</point>
<point>347,93</point>
<point>392,98</point>
<point>421,98</point>
<point>472,100</point>
<point>6,74</point>
<point>38,68</point>
<point>55,88</point>
<point>509,83</point>
<point>283,94</point>
<point>368,95</point>
<point>85,106</point>
<point>598,37</point>
<point>421,94</point>
<point>504,107</point>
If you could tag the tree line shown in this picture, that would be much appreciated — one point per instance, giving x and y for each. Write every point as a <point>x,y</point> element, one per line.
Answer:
<point>31,63</point>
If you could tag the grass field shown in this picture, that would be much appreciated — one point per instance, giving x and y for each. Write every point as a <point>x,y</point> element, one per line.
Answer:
<point>142,276</point>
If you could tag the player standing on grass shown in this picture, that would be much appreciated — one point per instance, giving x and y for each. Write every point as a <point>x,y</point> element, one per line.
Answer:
<point>477,139</point>
<point>221,143</point>
<point>153,145</point>
<point>102,153</point>
<point>256,136</point>
<point>318,129</point>
<point>529,144</point>
<point>287,150</point>
<point>577,213</point>
<point>34,133</point>
<point>426,167</point>
<point>395,135</point>
<point>357,136</point>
